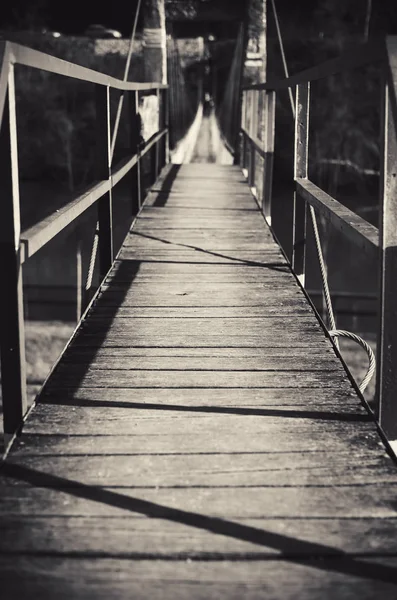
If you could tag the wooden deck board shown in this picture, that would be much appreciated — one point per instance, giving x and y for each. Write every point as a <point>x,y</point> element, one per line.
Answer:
<point>200,438</point>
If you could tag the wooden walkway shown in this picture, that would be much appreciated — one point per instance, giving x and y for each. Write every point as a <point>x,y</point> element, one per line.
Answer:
<point>199,439</point>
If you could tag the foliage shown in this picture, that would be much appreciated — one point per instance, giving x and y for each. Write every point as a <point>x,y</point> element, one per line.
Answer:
<point>344,136</point>
<point>56,115</point>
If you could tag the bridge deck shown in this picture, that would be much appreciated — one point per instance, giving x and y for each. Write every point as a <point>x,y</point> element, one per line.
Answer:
<point>199,439</point>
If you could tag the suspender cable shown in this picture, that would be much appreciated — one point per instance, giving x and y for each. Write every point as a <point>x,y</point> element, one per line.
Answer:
<point>182,110</point>
<point>126,71</point>
<point>280,41</point>
<point>226,111</point>
<point>94,249</point>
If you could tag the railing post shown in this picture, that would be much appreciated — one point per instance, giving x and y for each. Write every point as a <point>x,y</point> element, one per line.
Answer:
<point>255,110</point>
<point>243,151</point>
<point>12,338</point>
<point>251,167</point>
<point>270,116</point>
<point>242,126</point>
<point>387,334</point>
<point>159,127</point>
<point>135,127</point>
<point>300,171</point>
<point>165,123</point>
<point>105,216</point>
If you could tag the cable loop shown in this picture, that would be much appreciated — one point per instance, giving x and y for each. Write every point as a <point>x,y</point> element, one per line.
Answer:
<point>335,333</point>
<point>371,357</point>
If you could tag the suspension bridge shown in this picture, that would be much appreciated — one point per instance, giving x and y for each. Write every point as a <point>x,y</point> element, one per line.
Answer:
<point>200,436</point>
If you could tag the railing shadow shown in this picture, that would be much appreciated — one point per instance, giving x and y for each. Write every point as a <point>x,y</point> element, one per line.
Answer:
<point>92,349</point>
<point>290,548</point>
<point>276,266</point>
<point>165,189</point>
<point>317,415</point>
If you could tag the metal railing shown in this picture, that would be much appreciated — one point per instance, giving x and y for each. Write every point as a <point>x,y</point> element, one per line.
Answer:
<point>309,198</point>
<point>16,247</point>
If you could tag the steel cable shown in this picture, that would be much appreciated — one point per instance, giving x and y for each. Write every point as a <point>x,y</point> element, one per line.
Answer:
<point>94,248</point>
<point>333,332</point>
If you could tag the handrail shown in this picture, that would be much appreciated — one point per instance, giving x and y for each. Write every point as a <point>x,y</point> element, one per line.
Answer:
<point>255,142</point>
<point>17,247</point>
<point>380,243</point>
<point>22,55</point>
<point>358,230</point>
<point>39,234</point>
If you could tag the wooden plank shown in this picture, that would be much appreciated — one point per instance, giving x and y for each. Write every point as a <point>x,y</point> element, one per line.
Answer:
<point>277,398</point>
<point>203,326</point>
<point>271,353</point>
<point>134,537</point>
<point>359,578</point>
<point>126,276</point>
<point>210,238</point>
<point>66,377</point>
<point>198,223</point>
<point>117,438</point>
<point>219,471</point>
<point>277,296</point>
<point>296,309</point>
<point>196,255</point>
<point>186,341</point>
<point>209,363</point>
<point>196,201</point>
<point>50,496</point>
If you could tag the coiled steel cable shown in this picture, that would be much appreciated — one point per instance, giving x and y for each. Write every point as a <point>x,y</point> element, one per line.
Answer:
<point>333,332</point>
<point>372,362</point>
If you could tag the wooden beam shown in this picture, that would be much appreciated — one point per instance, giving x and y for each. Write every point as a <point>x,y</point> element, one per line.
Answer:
<point>361,233</point>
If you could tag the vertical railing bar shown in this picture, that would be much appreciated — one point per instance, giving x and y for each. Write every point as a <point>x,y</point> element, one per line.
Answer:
<point>79,276</point>
<point>12,339</point>
<point>251,173</point>
<point>300,171</point>
<point>270,116</point>
<point>244,149</point>
<point>135,125</point>
<point>166,124</point>
<point>240,137</point>
<point>246,164</point>
<point>387,334</point>
<point>105,216</point>
<point>138,164</point>
<point>255,107</point>
<point>159,122</point>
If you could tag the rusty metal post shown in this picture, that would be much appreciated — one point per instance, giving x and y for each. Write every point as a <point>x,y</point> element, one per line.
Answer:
<point>270,117</point>
<point>135,132</point>
<point>12,339</point>
<point>300,171</point>
<point>105,216</point>
<point>387,334</point>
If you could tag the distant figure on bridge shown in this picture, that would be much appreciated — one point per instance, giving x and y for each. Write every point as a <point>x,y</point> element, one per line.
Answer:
<point>208,105</point>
